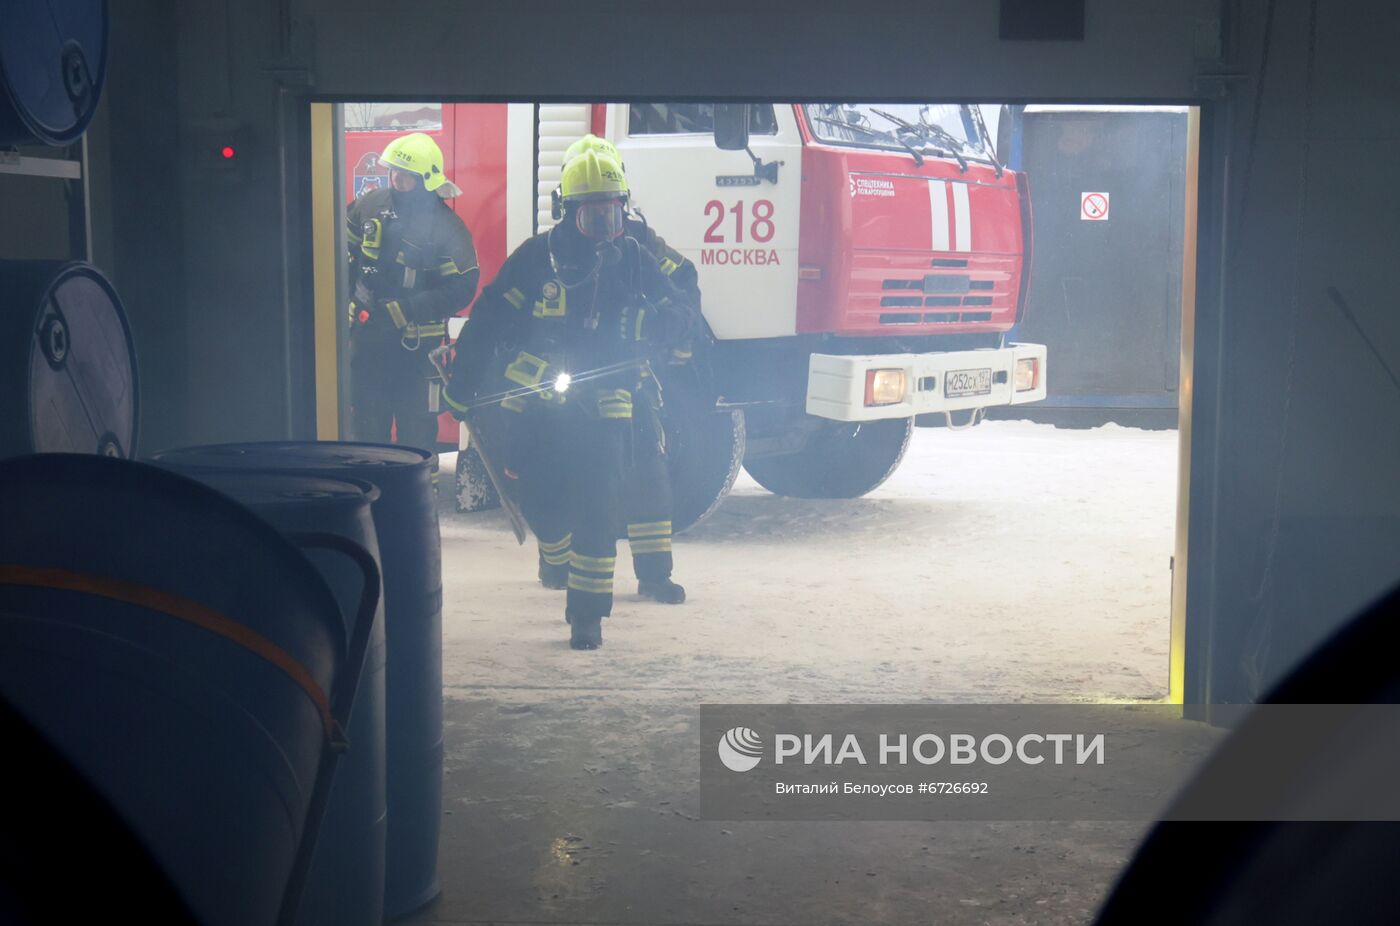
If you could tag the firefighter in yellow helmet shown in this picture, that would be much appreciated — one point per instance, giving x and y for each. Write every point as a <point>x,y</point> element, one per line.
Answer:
<point>674,264</point>
<point>556,345</point>
<point>648,503</point>
<point>412,266</point>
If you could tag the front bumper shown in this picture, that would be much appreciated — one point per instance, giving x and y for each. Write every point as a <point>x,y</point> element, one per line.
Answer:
<point>836,383</point>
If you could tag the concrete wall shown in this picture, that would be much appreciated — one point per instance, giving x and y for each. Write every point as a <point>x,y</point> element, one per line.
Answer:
<point>135,168</point>
<point>1297,493</point>
<point>1296,423</point>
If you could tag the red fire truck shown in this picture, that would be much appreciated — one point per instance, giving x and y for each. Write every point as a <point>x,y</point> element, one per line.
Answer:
<point>860,267</point>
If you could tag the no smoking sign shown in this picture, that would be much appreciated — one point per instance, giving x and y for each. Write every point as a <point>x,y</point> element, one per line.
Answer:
<point>1093,207</point>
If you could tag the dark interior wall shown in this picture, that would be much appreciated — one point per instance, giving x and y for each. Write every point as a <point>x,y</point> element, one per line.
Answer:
<point>237,258</point>
<point>1293,496</point>
<point>135,169</point>
<point>195,245</point>
<point>1301,483</point>
<point>779,49</point>
<point>48,238</point>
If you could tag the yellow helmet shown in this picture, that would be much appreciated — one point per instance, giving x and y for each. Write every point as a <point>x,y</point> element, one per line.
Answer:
<point>592,176</point>
<point>591,142</point>
<point>418,154</point>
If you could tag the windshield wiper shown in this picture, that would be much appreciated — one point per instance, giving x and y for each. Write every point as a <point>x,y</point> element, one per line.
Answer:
<point>852,127</point>
<point>987,143</point>
<point>918,158</point>
<point>908,127</point>
<point>948,138</point>
<point>926,129</point>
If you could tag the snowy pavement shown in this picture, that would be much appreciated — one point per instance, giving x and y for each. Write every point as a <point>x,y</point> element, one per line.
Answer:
<point>1016,561</point>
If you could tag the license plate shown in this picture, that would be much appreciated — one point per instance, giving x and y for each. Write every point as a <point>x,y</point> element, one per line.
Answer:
<point>959,384</point>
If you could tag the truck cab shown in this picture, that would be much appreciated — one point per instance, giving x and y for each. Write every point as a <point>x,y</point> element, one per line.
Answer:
<point>860,266</point>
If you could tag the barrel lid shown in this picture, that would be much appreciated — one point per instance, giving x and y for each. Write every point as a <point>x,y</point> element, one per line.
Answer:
<point>263,491</point>
<point>82,380</point>
<point>295,455</point>
<point>53,61</point>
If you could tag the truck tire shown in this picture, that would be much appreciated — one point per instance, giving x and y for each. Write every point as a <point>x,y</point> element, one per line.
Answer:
<point>474,489</point>
<point>841,461</point>
<point>705,450</point>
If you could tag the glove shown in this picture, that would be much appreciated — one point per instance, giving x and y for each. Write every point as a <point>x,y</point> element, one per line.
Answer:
<point>662,324</point>
<point>680,354</point>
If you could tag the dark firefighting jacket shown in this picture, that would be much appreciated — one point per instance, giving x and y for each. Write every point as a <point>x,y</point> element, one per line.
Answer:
<point>673,263</point>
<point>557,307</point>
<point>412,264</point>
<point>682,273</point>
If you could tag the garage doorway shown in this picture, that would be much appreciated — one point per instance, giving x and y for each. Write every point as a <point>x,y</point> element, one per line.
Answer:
<point>1025,558</point>
<point>1084,296</point>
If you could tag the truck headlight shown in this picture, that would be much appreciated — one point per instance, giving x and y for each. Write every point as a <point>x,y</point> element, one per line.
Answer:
<point>885,387</point>
<point>1027,374</point>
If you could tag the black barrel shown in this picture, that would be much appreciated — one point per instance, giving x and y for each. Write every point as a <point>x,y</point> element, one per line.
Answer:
<point>405,519</point>
<point>185,656</point>
<point>63,825</point>
<point>67,362</point>
<point>53,62</point>
<point>345,884</point>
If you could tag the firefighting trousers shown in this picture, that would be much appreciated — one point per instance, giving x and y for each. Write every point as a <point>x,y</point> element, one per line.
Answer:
<point>647,496</point>
<point>570,469</point>
<point>389,388</point>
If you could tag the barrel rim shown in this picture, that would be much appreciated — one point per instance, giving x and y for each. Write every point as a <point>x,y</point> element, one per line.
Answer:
<point>190,455</point>
<point>369,493</point>
<point>49,135</point>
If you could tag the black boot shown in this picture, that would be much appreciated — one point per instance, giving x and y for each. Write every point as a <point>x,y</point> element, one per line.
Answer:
<point>585,632</point>
<point>554,577</point>
<point>663,590</point>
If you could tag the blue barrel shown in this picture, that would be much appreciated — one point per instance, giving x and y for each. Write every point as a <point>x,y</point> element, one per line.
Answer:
<point>67,362</point>
<point>345,883</point>
<point>183,655</point>
<point>53,62</point>
<point>405,520</point>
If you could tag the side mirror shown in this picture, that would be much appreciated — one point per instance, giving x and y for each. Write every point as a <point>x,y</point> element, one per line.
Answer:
<point>1010,126</point>
<point>732,126</point>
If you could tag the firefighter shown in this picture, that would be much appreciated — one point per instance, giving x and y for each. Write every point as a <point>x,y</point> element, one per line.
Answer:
<point>648,501</point>
<point>557,343</point>
<point>412,265</point>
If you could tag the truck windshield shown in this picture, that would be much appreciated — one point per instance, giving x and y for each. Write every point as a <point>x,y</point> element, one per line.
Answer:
<point>931,127</point>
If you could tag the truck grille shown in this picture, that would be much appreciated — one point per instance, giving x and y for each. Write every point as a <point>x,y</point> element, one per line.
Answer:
<point>932,318</point>
<point>886,289</point>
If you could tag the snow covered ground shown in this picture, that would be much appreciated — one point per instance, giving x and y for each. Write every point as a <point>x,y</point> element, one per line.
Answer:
<point>1015,561</point>
<point>1012,562</point>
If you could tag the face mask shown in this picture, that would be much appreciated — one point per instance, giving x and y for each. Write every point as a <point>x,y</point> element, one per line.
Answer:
<point>601,221</point>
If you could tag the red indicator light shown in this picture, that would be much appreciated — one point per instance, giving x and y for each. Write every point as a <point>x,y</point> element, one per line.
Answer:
<point>227,152</point>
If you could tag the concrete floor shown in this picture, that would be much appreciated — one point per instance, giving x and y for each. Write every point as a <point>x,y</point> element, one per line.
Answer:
<point>1016,562</point>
